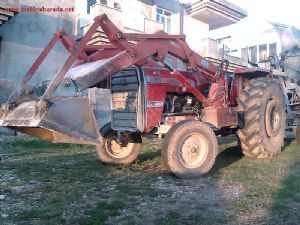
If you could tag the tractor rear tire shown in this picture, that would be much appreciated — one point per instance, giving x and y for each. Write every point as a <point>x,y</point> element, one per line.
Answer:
<point>298,134</point>
<point>190,149</point>
<point>263,104</point>
<point>110,151</point>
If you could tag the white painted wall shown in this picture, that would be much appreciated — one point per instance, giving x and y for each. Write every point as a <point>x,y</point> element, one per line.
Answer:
<point>243,34</point>
<point>134,13</point>
<point>195,31</point>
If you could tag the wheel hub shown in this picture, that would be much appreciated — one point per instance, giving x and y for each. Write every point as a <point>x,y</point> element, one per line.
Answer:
<point>191,153</point>
<point>273,119</point>
<point>194,150</point>
<point>118,150</point>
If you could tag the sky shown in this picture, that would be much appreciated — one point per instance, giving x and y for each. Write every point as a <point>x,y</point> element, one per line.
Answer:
<point>286,11</point>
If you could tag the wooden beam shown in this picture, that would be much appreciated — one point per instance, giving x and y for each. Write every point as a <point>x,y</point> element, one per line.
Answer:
<point>3,17</point>
<point>5,12</point>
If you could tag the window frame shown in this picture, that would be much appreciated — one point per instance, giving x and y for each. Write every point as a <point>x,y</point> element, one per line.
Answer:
<point>164,16</point>
<point>253,53</point>
<point>273,47</point>
<point>262,52</point>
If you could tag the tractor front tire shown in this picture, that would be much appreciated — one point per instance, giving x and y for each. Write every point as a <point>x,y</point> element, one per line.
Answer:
<point>190,149</point>
<point>263,104</point>
<point>111,151</point>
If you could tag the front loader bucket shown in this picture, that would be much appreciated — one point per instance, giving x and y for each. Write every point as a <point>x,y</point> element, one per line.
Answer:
<point>65,119</point>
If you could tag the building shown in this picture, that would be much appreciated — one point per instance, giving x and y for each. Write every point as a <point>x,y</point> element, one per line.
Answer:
<point>24,34</point>
<point>195,18</point>
<point>259,39</point>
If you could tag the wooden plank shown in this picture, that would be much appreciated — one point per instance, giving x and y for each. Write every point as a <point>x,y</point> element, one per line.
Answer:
<point>124,106</point>
<point>3,17</point>
<point>128,99</point>
<point>5,12</point>
<point>125,95</point>
<point>123,109</point>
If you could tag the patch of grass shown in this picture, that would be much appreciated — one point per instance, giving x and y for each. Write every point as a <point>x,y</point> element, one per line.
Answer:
<point>28,215</point>
<point>39,144</point>
<point>149,155</point>
<point>171,218</point>
<point>287,201</point>
<point>102,212</point>
<point>46,183</point>
<point>267,184</point>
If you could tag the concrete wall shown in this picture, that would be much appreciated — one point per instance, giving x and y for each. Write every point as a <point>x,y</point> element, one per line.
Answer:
<point>6,89</point>
<point>27,33</point>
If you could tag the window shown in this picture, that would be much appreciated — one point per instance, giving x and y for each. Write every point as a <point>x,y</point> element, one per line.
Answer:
<point>163,16</point>
<point>89,4</point>
<point>253,54</point>
<point>244,53</point>
<point>223,49</point>
<point>103,2</point>
<point>225,46</point>
<point>117,5</point>
<point>263,54</point>
<point>273,49</point>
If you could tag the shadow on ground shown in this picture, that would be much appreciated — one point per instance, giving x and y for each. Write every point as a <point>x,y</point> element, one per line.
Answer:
<point>227,157</point>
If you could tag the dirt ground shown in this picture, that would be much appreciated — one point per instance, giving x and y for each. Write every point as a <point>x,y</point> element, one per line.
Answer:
<point>47,183</point>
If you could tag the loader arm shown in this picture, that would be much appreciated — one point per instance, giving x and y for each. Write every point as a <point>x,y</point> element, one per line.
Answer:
<point>156,45</point>
<point>125,50</point>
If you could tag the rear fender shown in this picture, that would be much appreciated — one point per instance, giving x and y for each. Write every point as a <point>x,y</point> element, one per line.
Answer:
<point>241,78</point>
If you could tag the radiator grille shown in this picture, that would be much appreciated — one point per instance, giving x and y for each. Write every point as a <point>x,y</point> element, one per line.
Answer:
<point>126,106</point>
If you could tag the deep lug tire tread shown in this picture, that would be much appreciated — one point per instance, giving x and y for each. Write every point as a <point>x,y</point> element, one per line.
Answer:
<point>253,137</point>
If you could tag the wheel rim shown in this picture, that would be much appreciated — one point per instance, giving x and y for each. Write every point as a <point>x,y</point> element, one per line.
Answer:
<point>118,150</point>
<point>273,119</point>
<point>194,150</point>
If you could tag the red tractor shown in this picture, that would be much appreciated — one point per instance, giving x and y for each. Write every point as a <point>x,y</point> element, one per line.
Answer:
<point>187,107</point>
